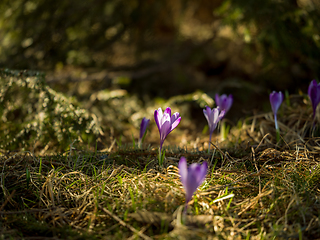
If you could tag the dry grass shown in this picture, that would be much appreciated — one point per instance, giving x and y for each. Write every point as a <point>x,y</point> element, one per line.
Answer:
<point>255,189</point>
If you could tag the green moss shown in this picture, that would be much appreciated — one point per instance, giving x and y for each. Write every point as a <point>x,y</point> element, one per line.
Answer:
<point>34,115</point>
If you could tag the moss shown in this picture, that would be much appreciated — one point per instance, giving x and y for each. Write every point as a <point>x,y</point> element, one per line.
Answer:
<point>34,115</point>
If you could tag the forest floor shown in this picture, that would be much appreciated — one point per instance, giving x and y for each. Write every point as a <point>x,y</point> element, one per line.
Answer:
<point>255,188</point>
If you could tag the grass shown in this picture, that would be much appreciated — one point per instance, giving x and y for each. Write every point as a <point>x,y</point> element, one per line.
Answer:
<point>255,188</point>
<point>274,194</point>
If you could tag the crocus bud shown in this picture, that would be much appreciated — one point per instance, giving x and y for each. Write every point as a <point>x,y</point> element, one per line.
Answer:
<point>314,95</point>
<point>143,127</point>
<point>276,99</point>
<point>191,177</point>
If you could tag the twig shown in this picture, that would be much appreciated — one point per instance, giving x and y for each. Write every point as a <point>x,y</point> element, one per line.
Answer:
<point>225,157</point>
<point>261,141</point>
<point>7,200</point>
<point>25,211</point>
<point>144,228</point>
<point>256,166</point>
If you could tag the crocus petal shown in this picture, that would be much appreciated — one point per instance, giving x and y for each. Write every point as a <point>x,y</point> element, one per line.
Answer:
<point>196,175</point>
<point>223,102</point>
<point>174,117</point>
<point>217,99</point>
<point>213,119</point>
<point>165,129</point>
<point>167,111</point>
<point>165,126</point>
<point>313,84</point>
<point>229,103</point>
<point>175,123</point>
<point>165,118</point>
<point>183,170</point>
<point>203,171</point>
<point>157,117</point>
<point>222,113</point>
<point>314,95</point>
<point>215,115</point>
<point>192,183</point>
<point>206,113</point>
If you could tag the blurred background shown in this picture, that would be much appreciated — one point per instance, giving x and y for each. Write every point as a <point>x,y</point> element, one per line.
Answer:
<point>151,51</point>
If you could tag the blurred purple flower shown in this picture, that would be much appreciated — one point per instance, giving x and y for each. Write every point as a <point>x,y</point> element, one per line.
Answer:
<point>143,127</point>
<point>213,117</point>
<point>166,123</point>
<point>224,102</point>
<point>191,177</point>
<point>311,170</point>
<point>314,95</point>
<point>276,100</point>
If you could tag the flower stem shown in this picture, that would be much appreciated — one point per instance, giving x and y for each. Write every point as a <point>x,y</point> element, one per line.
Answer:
<point>223,130</point>
<point>185,209</point>
<point>278,136</point>
<point>276,122</point>
<point>209,142</point>
<point>277,128</point>
<point>160,156</point>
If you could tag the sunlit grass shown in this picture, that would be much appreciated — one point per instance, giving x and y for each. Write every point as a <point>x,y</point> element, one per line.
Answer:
<point>256,187</point>
<point>262,193</point>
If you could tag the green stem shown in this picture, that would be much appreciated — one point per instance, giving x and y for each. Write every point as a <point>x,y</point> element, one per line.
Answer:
<point>278,136</point>
<point>209,142</point>
<point>223,131</point>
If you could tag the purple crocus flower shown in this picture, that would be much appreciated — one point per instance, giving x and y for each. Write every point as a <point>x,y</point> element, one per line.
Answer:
<point>224,102</point>
<point>143,127</point>
<point>191,177</point>
<point>213,117</point>
<point>276,100</point>
<point>166,123</point>
<point>314,95</point>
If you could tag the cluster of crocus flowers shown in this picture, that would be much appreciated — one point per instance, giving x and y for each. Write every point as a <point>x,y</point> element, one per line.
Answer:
<point>191,177</point>
<point>275,100</point>
<point>194,175</point>
<point>166,123</point>
<point>143,127</point>
<point>213,116</point>
<point>314,95</point>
